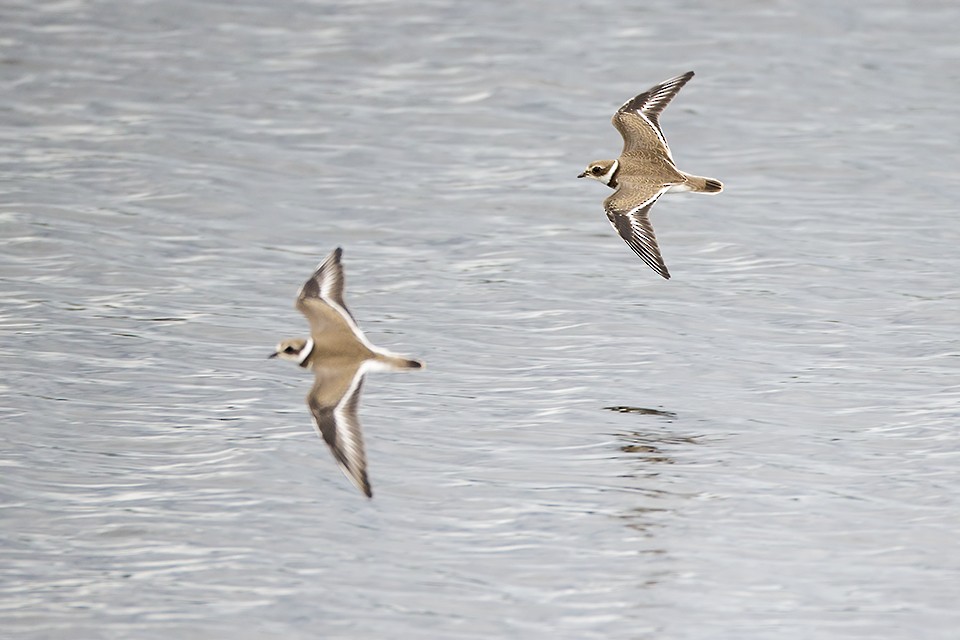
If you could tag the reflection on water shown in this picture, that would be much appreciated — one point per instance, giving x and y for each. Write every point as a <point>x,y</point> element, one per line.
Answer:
<point>650,444</point>
<point>642,411</point>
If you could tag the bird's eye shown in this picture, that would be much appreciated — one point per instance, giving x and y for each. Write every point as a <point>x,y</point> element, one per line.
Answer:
<point>289,350</point>
<point>597,170</point>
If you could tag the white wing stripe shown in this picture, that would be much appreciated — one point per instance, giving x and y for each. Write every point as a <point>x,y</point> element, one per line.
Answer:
<point>349,435</point>
<point>659,133</point>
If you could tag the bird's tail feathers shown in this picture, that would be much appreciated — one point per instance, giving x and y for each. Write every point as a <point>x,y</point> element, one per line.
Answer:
<point>393,362</point>
<point>699,184</point>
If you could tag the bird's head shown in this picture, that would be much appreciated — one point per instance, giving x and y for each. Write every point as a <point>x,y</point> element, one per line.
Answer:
<point>601,170</point>
<point>294,349</point>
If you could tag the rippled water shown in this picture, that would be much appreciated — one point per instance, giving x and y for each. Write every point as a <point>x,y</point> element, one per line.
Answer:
<point>763,447</point>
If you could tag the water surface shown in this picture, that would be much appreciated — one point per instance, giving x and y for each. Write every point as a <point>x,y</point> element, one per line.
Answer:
<point>781,458</point>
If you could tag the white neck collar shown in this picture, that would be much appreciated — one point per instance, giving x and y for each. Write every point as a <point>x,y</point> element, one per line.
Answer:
<point>306,351</point>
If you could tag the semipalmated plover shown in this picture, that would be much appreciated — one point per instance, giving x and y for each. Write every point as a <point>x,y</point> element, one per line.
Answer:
<point>339,355</point>
<point>644,171</point>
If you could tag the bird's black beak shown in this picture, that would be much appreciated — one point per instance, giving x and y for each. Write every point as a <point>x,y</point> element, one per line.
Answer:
<point>273,355</point>
<point>582,175</point>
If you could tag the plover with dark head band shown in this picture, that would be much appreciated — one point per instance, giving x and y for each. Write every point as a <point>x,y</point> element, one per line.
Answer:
<point>644,171</point>
<point>339,355</point>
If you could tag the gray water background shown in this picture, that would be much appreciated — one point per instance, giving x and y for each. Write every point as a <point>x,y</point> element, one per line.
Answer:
<point>171,171</point>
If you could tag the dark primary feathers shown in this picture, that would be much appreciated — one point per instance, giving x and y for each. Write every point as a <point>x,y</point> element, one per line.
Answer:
<point>320,299</point>
<point>635,229</point>
<point>327,282</point>
<point>335,413</point>
<point>643,113</point>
